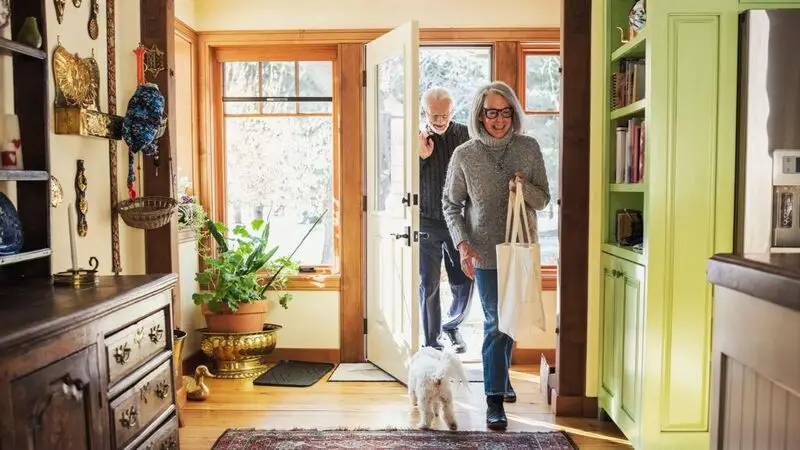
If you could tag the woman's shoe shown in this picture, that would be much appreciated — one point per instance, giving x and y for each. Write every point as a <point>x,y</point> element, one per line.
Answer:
<point>495,413</point>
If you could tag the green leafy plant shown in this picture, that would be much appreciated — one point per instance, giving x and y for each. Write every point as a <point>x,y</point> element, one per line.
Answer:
<point>232,277</point>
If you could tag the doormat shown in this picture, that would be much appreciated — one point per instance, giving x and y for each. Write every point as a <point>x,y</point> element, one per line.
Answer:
<point>359,372</point>
<point>293,373</point>
<point>474,372</point>
<point>252,439</point>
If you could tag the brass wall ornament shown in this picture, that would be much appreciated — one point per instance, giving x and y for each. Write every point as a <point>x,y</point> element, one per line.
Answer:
<point>77,100</point>
<point>82,205</point>
<point>56,192</point>
<point>153,60</point>
<point>77,3</point>
<point>92,27</point>
<point>59,9</point>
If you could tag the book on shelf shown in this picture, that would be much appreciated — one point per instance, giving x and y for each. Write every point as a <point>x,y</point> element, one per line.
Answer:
<point>629,152</point>
<point>628,83</point>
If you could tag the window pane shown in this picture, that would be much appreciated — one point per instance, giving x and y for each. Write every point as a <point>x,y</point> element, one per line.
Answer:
<point>282,165</point>
<point>277,80</point>
<point>316,80</point>
<point>390,136</point>
<point>546,130</point>
<point>240,79</point>
<point>542,83</point>
<point>462,70</point>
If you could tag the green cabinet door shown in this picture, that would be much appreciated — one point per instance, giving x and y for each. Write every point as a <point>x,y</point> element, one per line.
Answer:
<point>621,354</point>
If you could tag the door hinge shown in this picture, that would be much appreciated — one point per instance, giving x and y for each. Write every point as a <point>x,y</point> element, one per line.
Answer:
<point>363,78</point>
<point>365,325</point>
<point>364,203</point>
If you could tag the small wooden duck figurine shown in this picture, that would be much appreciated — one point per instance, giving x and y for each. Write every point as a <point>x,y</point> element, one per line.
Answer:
<point>196,389</point>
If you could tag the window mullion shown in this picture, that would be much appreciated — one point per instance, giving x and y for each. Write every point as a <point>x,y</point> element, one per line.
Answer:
<point>297,86</point>
<point>260,86</point>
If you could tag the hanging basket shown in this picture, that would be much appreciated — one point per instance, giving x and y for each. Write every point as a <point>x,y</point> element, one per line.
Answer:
<point>147,212</point>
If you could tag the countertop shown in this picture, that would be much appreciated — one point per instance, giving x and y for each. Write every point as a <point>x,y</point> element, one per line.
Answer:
<point>773,277</point>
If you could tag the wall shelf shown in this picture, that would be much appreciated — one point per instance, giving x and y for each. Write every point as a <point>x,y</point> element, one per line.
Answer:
<point>629,110</point>
<point>25,256</point>
<point>9,47</point>
<point>627,253</point>
<point>635,48</point>
<point>626,187</point>
<point>24,175</point>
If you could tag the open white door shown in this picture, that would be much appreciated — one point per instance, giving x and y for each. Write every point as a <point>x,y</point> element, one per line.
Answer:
<point>392,199</point>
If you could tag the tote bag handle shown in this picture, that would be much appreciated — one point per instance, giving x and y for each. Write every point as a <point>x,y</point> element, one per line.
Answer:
<point>516,208</point>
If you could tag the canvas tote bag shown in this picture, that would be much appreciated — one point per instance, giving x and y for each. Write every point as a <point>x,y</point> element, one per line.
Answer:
<point>519,275</point>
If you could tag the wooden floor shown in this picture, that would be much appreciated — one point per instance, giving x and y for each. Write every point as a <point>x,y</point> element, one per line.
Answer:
<point>240,404</point>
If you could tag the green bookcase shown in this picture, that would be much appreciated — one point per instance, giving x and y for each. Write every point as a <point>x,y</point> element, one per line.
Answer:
<point>650,305</point>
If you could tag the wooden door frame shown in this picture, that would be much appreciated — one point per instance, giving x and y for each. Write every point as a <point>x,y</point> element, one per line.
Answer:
<point>575,53</point>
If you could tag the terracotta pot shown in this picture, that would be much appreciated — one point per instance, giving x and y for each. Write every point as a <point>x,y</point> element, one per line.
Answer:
<point>249,318</point>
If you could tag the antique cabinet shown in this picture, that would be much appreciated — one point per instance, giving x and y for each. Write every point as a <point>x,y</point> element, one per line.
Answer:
<point>88,368</point>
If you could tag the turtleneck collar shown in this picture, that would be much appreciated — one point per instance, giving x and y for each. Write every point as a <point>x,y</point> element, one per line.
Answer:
<point>493,142</point>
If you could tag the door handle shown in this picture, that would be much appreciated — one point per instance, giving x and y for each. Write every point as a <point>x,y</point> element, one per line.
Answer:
<point>406,236</point>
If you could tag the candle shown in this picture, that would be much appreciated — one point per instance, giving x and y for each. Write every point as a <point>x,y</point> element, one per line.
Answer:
<point>73,237</point>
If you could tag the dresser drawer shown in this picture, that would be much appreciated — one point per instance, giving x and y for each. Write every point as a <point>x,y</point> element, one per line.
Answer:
<point>164,438</point>
<point>134,409</point>
<point>130,347</point>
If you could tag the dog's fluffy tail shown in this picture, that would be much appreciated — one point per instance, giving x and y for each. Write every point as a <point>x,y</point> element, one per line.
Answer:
<point>455,370</point>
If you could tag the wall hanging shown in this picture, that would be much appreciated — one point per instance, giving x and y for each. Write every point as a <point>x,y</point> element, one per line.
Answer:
<point>60,4</point>
<point>94,29</point>
<point>77,107</point>
<point>111,53</point>
<point>56,192</point>
<point>82,207</point>
<point>143,125</point>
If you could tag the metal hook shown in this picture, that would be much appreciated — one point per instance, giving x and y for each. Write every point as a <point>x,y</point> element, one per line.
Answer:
<point>93,52</point>
<point>58,39</point>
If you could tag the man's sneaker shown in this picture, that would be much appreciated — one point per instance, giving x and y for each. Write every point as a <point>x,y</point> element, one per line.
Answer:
<point>458,342</point>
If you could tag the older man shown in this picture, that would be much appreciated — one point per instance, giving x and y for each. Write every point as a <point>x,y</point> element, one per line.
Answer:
<point>437,143</point>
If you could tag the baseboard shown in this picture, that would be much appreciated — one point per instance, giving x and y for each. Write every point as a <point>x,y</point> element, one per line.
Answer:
<point>532,355</point>
<point>328,355</point>
<point>566,406</point>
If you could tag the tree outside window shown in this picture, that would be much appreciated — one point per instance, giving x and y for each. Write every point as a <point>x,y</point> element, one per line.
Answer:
<point>542,121</point>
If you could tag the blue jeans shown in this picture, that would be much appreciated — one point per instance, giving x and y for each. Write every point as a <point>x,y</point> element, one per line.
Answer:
<point>496,351</point>
<point>433,248</point>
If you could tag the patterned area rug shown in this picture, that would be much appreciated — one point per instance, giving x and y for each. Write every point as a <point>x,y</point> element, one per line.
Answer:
<point>251,439</point>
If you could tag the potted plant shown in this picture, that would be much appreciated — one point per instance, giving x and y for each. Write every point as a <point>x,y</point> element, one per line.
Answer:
<point>233,299</point>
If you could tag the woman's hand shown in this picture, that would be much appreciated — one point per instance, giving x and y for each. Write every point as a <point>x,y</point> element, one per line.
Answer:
<point>519,177</point>
<point>468,258</point>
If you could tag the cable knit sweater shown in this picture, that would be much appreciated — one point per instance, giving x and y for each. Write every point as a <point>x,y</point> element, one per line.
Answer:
<point>475,197</point>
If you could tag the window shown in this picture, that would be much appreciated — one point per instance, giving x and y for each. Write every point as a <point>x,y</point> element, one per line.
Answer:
<point>542,121</point>
<point>277,120</point>
<point>461,70</point>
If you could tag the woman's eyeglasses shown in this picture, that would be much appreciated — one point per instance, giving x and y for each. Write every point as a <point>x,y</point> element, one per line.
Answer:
<point>491,113</point>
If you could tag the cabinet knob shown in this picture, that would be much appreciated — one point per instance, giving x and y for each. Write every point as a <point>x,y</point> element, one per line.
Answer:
<point>156,333</point>
<point>162,389</point>
<point>122,354</point>
<point>129,417</point>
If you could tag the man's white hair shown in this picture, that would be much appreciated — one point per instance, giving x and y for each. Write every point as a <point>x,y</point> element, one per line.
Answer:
<point>435,93</point>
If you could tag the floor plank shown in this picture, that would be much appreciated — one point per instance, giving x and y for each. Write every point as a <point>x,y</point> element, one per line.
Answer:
<point>240,404</point>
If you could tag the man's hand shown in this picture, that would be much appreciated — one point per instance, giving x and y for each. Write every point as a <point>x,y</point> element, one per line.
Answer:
<point>519,177</point>
<point>468,258</point>
<point>425,145</point>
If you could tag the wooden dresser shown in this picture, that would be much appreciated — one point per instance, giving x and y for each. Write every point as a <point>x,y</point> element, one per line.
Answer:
<point>755,392</point>
<point>88,368</point>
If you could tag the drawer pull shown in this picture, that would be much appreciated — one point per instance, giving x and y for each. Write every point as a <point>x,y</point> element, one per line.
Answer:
<point>139,336</point>
<point>144,391</point>
<point>129,416</point>
<point>122,354</point>
<point>162,389</point>
<point>156,333</point>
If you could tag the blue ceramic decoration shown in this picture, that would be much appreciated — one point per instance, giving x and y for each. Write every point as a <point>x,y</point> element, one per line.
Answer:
<point>10,228</point>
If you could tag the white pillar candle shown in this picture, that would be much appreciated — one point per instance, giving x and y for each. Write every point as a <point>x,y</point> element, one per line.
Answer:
<point>73,236</point>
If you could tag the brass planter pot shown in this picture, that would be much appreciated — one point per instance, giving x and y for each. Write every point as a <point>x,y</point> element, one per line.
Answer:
<point>239,355</point>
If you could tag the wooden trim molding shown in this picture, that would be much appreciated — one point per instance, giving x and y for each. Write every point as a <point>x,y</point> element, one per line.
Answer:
<point>573,245</point>
<point>351,301</point>
<point>361,36</point>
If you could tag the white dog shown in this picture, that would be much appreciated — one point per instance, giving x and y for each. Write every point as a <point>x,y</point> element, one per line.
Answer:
<point>429,375</point>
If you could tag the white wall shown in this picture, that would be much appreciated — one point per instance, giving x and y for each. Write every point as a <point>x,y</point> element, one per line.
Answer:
<point>334,14</point>
<point>66,150</point>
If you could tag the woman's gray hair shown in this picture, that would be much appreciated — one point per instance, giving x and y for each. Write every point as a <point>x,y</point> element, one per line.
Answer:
<point>496,87</point>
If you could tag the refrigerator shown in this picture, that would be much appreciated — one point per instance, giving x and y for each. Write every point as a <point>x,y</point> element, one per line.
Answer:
<point>768,140</point>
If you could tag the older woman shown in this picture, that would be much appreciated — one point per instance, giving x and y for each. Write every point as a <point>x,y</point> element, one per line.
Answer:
<point>479,177</point>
